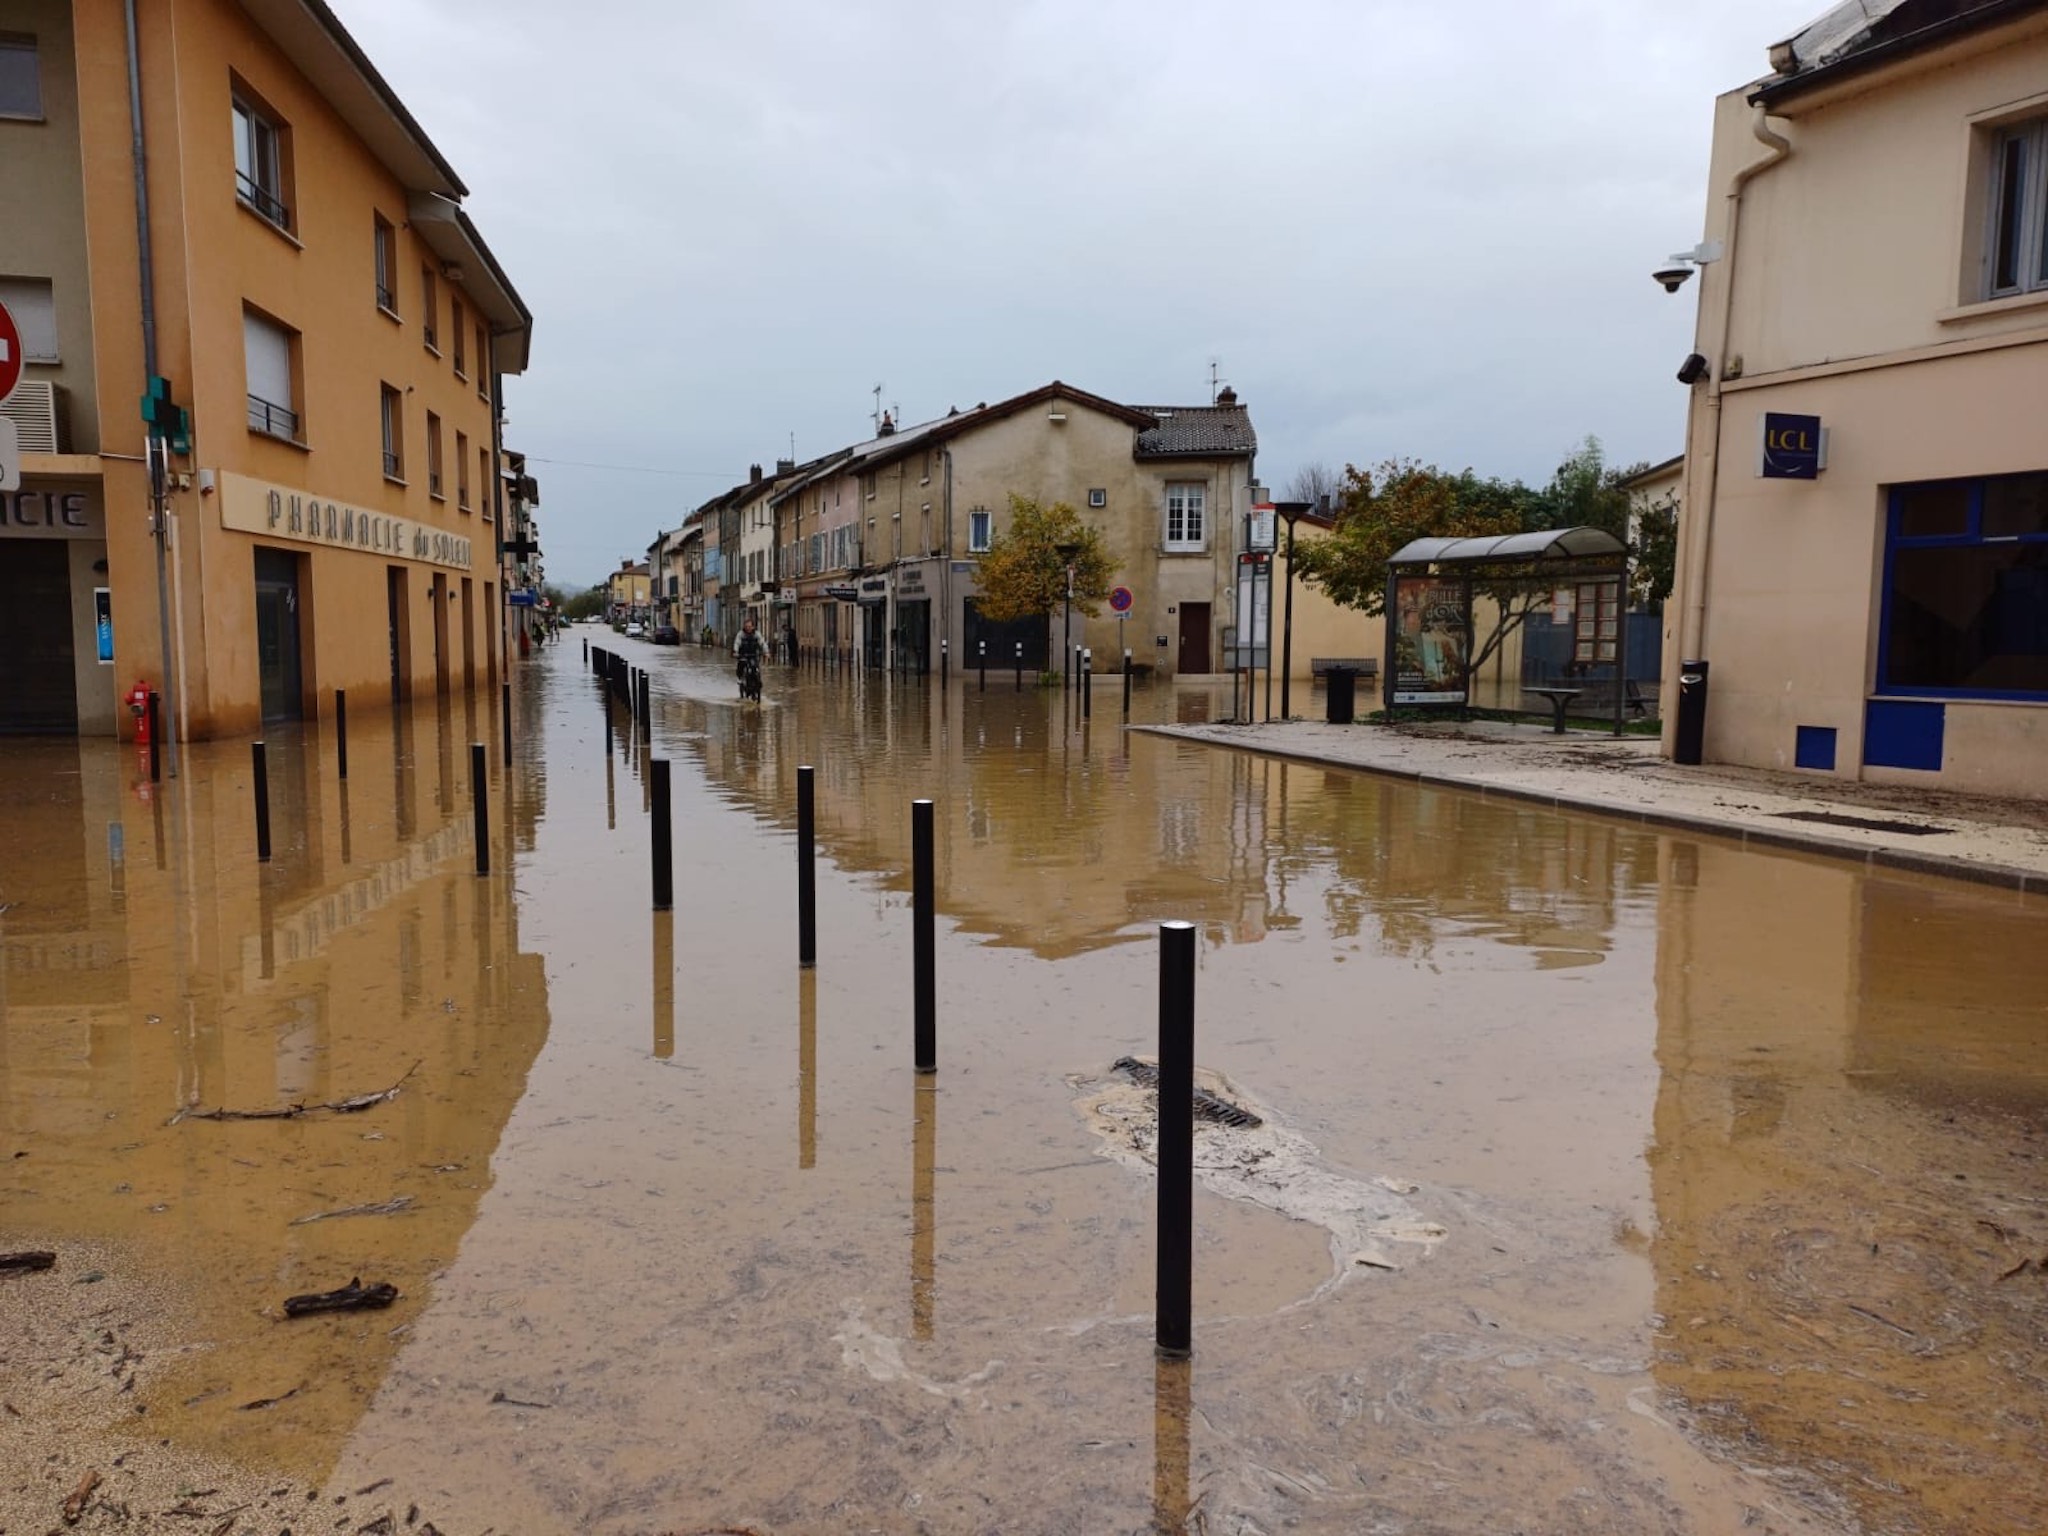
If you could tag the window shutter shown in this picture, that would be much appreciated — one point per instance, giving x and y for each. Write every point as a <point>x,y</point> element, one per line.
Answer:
<point>268,353</point>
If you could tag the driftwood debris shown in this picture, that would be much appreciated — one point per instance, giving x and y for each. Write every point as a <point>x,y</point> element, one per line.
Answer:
<point>509,1401</point>
<point>25,1263</point>
<point>74,1507</point>
<point>353,1297</point>
<point>271,1402</point>
<point>349,1106</point>
<point>389,1207</point>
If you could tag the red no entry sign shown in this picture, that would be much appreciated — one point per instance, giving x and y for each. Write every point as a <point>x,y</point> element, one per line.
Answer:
<point>10,353</point>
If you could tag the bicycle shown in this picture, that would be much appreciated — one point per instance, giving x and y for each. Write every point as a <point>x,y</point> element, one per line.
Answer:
<point>750,678</point>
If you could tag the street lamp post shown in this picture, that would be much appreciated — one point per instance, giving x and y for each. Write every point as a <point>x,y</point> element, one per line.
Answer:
<point>1293,511</point>
<point>1067,553</point>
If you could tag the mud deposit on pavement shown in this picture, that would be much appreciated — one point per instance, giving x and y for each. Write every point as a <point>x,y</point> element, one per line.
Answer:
<point>1607,1181</point>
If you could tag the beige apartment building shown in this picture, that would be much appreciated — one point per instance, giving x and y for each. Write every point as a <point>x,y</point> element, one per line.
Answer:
<point>295,279</point>
<point>1168,487</point>
<point>1863,559</point>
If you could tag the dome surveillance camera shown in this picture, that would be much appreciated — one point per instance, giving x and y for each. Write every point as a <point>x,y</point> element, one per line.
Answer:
<point>1672,277</point>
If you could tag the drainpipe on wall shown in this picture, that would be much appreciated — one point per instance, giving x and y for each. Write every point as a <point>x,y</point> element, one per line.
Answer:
<point>498,514</point>
<point>946,575</point>
<point>159,508</point>
<point>1703,468</point>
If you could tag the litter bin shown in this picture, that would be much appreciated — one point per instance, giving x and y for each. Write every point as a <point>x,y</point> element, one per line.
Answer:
<point>1692,713</point>
<point>1341,685</point>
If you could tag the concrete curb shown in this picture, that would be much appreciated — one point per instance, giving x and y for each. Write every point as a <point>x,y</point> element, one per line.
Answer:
<point>1999,876</point>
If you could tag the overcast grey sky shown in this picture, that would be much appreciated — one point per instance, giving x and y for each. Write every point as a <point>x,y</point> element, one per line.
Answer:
<point>1400,229</point>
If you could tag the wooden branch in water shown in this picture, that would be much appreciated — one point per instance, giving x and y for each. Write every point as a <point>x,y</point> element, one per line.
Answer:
<point>353,1297</point>
<point>389,1207</point>
<point>22,1263</point>
<point>348,1106</point>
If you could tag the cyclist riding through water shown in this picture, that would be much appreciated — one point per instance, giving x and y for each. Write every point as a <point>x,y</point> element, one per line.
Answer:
<point>747,648</point>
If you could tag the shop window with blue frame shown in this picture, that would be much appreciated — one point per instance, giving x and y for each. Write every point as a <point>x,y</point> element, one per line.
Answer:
<point>1966,589</point>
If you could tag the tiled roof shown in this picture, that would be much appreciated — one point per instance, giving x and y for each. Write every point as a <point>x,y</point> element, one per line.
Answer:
<point>1197,431</point>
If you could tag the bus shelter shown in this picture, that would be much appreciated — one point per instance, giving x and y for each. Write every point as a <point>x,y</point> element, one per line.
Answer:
<point>1431,584</point>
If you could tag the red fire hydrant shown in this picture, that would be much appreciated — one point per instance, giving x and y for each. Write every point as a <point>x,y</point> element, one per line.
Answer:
<point>138,706</point>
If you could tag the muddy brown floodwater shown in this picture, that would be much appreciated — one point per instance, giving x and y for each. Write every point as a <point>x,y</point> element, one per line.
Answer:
<point>1607,1180</point>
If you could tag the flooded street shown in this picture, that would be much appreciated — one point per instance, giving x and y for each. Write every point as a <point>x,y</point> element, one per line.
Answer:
<point>1610,1179</point>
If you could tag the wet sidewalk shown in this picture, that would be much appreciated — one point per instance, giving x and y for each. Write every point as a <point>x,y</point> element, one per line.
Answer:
<point>1972,837</point>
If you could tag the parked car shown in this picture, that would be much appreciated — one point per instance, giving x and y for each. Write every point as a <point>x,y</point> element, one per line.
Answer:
<point>635,630</point>
<point>667,634</point>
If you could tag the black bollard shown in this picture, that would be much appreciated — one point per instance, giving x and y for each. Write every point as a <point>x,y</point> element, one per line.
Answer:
<point>341,734</point>
<point>806,868</point>
<point>647,703</point>
<point>923,949</point>
<point>1020,666</point>
<point>156,736</point>
<point>1176,1144</point>
<point>1127,683</point>
<point>983,658</point>
<point>664,843</point>
<point>260,762</point>
<point>586,648</point>
<point>505,713</point>
<point>478,793</point>
<point>945,662</point>
<point>1087,683</point>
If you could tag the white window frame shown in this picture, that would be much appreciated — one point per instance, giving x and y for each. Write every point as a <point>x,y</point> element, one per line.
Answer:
<point>1186,527</point>
<point>29,109</point>
<point>2018,210</point>
<point>434,456</point>
<point>391,417</point>
<point>981,527</point>
<point>386,237</point>
<point>259,163</point>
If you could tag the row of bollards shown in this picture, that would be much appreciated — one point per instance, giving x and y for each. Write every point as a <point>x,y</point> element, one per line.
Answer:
<point>1175,1146</point>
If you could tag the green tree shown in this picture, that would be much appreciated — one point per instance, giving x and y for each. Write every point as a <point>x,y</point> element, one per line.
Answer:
<point>1584,493</point>
<point>1025,569</point>
<point>1655,554</point>
<point>587,604</point>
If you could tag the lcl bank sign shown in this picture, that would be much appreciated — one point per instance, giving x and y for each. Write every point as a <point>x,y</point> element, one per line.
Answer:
<point>1791,447</point>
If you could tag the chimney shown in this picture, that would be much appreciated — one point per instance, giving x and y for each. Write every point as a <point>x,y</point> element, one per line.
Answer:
<point>785,466</point>
<point>753,474</point>
<point>887,428</point>
<point>1227,397</point>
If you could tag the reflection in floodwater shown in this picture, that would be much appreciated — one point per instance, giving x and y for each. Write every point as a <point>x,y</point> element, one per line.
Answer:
<point>1848,1173</point>
<point>215,983</point>
<point>1172,1391</point>
<point>1729,1243</point>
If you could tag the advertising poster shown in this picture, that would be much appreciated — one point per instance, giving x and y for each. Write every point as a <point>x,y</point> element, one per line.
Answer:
<point>1432,639</point>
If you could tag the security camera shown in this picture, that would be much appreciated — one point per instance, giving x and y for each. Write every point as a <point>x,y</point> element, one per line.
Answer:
<point>1672,277</point>
<point>1693,369</point>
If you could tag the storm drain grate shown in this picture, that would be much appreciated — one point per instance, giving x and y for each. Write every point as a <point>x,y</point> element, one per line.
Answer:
<point>1863,823</point>
<point>1208,1106</point>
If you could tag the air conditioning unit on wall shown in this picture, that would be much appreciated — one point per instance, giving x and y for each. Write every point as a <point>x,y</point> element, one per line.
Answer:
<point>37,410</point>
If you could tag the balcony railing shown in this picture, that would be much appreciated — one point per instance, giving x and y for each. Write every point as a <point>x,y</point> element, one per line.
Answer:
<point>273,420</point>
<point>386,299</point>
<point>263,201</point>
<point>433,482</point>
<point>392,465</point>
